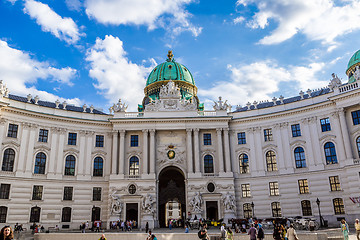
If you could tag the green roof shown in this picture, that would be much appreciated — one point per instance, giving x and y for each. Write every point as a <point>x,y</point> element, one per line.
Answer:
<point>354,59</point>
<point>170,70</point>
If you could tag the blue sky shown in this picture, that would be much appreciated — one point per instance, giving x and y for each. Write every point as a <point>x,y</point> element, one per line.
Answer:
<point>96,51</point>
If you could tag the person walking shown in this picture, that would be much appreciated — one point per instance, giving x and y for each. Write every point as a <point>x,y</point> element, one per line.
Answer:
<point>6,233</point>
<point>345,229</point>
<point>222,232</point>
<point>252,232</point>
<point>291,233</point>
<point>277,233</point>
<point>229,234</point>
<point>261,234</point>
<point>357,228</point>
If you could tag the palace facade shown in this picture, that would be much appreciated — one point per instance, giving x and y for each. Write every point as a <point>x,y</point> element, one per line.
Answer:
<point>63,165</point>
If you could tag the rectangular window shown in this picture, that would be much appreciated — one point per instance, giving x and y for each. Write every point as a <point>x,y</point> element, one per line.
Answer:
<point>245,188</point>
<point>338,206</point>
<point>241,138</point>
<point>97,194</point>
<point>134,140</point>
<point>4,191</point>
<point>274,188</point>
<point>325,124</point>
<point>99,141</point>
<point>72,139</point>
<point>43,135</point>
<point>68,193</point>
<point>207,138</point>
<point>303,186</point>
<point>334,183</point>
<point>296,130</point>
<point>3,214</point>
<point>276,209</point>
<point>268,135</point>
<point>37,192</point>
<point>356,117</point>
<point>12,131</point>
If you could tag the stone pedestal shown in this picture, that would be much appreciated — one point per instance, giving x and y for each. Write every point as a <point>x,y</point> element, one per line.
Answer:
<point>147,218</point>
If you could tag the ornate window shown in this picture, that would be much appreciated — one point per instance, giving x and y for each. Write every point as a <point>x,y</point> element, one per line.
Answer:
<point>134,140</point>
<point>132,189</point>
<point>134,166</point>
<point>245,189</point>
<point>70,165</point>
<point>99,141</point>
<point>207,138</point>
<point>35,214</point>
<point>276,209</point>
<point>330,153</point>
<point>271,161</point>
<point>68,193</point>
<point>338,206</point>
<point>356,117</point>
<point>358,145</point>
<point>306,208</point>
<point>274,188</point>
<point>325,124</point>
<point>8,160</point>
<point>12,131</point>
<point>295,129</point>
<point>208,164</point>
<point>247,210</point>
<point>98,167</point>
<point>244,163</point>
<point>334,183</point>
<point>40,163</point>
<point>299,155</point>
<point>241,138</point>
<point>37,192</point>
<point>97,194</point>
<point>268,135</point>
<point>303,186</point>
<point>66,214</point>
<point>3,214</point>
<point>72,139</point>
<point>4,191</point>
<point>43,135</point>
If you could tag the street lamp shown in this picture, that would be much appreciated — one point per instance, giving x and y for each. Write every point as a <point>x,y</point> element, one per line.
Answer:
<point>252,208</point>
<point>321,219</point>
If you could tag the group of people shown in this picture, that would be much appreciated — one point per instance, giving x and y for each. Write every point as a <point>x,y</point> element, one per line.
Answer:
<point>127,225</point>
<point>151,236</point>
<point>345,229</point>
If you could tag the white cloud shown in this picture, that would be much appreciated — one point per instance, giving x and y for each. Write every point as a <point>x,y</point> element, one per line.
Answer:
<point>239,20</point>
<point>261,80</point>
<point>19,70</point>
<point>117,77</point>
<point>74,4</point>
<point>63,28</point>
<point>152,13</point>
<point>319,20</point>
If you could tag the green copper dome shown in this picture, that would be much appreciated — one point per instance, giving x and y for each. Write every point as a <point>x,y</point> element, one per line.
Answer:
<point>353,62</point>
<point>170,70</point>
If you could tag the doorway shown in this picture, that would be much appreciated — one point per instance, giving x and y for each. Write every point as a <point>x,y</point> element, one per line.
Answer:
<point>95,216</point>
<point>132,211</point>
<point>171,193</point>
<point>212,210</point>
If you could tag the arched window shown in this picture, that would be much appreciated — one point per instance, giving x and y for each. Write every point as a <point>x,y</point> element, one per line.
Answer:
<point>134,166</point>
<point>330,153</point>
<point>276,209</point>
<point>271,161</point>
<point>247,210</point>
<point>244,163</point>
<point>66,214</point>
<point>306,208</point>
<point>70,165</point>
<point>35,214</point>
<point>358,145</point>
<point>8,160</point>
<point>40,163</point>
<point>98,167</point>
<point>299,154</point>
<point>3,214</point>
<point>208,164</point>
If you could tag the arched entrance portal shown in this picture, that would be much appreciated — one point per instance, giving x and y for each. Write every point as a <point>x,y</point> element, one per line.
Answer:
<point>171,197</point>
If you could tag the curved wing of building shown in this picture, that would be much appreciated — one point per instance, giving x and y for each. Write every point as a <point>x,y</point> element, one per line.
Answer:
<point>65,165</point>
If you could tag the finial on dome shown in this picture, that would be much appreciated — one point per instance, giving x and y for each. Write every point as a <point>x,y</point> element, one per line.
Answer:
<point>170,56</point>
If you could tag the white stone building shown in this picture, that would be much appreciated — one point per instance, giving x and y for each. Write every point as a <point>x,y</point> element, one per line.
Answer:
<point>63,165</point>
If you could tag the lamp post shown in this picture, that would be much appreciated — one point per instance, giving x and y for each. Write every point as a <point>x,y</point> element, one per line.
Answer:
<point>321,219</point>
<point>252,208</point>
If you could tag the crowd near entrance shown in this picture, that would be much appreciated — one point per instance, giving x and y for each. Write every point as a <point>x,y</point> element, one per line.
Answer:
<point>171,199</point>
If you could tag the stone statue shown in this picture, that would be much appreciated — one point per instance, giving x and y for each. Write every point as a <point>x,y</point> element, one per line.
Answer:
<point>116,204</point>
<point>357,73</point>
<point>220,105</point>
<point>229,202</point>
<point>196,203</point>
<point>119,107</point>
<point>147,204</point>
<point>334,82</point>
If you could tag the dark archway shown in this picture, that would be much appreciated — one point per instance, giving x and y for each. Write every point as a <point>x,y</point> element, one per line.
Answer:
<point>171,188</point>
<point>132,211</point>
<point>95,214</point>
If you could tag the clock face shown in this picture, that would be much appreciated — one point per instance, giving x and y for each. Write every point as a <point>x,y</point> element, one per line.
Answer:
<point>171,154</point>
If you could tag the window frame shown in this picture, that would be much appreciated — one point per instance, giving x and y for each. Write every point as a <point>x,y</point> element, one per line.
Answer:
<point>296,130</point>
<point>358,145</point>
<point>66,214</point>
<point>245,190</point>
<point>40,163</point>
<point>70,165</point>
<point>134,170</point>
<point>35,214</point>
<point>99,141</point>
<point>306,208</point>
<point>68,193</point>
<point>3,214</point>
<point>207,139</point>
<point>325,124</point>
<point>276,209</point>
<point>97,193</point>
<point>356,117</point>
<point>247,210</point>
<point>37,193</point>
<point>338,204</point>
<point>244,163</point>
<point>330,153</point>
<point>8,160</point>
<point>300,158</point>
<point>303,186</point>
<point>72,138</point>
<point>208,164</point>
<point>268,136</point>
<point>334,182</point>
<point>241,138</point>
<point>98,170</point>
<point>274,188</point>
<point>271,164</point>
<point>43,135</point>
<point>5,191</point>
<point>134,140</point>
<point>12,130</point>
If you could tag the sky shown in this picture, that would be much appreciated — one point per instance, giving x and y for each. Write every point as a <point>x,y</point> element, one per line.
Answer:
<point>95,52</point>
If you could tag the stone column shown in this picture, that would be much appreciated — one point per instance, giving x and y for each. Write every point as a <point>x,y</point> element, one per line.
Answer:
<point>30,148</point>
<point>121,160</point>
<point>89,147</point>
<point>280,153</point>
<point>317,149</point>
<point>345,134</point>
<point>252,158</point>
<point>145,151</point>
<point>197,151</point>
<point>152,151</point>
<point>82,152</point>
<point>114,154</point>
<point>53,146</point>
<point>284,127</point>
<point>220,150</point>
<point>189,151</point>
<point>309,149</point>
<point>339,146</point>
<point>227,150</point>
<point>2,130</point>
<point>23,158</point>
<point>259,157</point>
<point>234,161</point>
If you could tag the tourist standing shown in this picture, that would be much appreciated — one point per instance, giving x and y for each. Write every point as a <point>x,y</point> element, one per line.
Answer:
<point>261,234</point>
<point>222,232</point>
<point>252,232</point>
<point>357,228</point>
<point>291,233</point>
<point>147,227</point>
<point>6,233</point>
<point>277,233</point>
<point>229,234</point>
<point>345,229</point>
